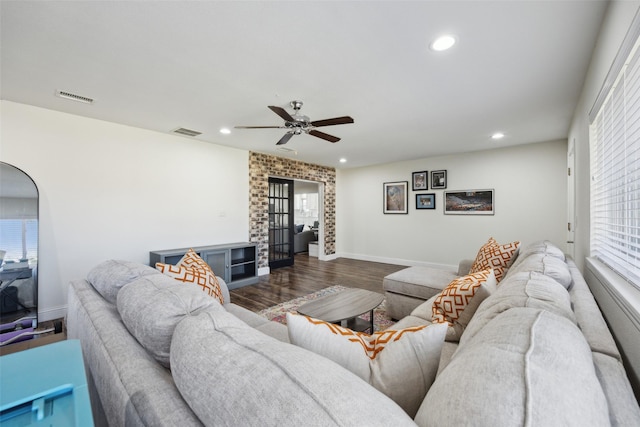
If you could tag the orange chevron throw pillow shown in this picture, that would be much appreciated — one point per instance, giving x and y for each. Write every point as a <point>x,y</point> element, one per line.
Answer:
<point>400,363</point>
<point>450,306</point>
<point>496,256</point>
<point>192,269</point>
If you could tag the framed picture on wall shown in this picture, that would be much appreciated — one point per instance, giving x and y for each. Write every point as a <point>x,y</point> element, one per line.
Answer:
<point>419,181</point>
<point>438,179</point>
<point>426,201</point>
<point>469,202</point>
<point>395,197</point>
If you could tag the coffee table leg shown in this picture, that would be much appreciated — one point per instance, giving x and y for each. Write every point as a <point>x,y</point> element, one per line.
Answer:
<point>371,316</point>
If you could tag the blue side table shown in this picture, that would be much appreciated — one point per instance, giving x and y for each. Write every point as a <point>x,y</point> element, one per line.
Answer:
<point>45,386</point>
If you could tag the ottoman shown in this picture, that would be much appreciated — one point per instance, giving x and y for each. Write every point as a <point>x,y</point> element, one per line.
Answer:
<point>406,289</point>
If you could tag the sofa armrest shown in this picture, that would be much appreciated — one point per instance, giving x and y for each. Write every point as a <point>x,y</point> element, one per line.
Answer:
<point>464,267</point>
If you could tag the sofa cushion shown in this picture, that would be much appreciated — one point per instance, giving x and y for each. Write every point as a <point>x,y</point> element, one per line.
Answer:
<point>526,289</point>
<point>231,374</point>
<point>458,302</point>
<point>623,407</point>
<point>109,276</point>
<point>548,265</point>
<point>496,256</point>
<point>542,247</point>
<point>192,269</point>
<point>526,367</point>
<point>152,306</point>
<point>400,363</point>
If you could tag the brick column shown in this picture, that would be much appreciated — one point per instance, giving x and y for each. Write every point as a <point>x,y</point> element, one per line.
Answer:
<point>261,167</point>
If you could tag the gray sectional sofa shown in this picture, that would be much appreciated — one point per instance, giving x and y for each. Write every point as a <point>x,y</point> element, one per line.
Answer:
<point>537,352</point>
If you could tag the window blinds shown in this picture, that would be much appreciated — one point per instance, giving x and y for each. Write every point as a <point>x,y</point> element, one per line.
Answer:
<point>614,136</point>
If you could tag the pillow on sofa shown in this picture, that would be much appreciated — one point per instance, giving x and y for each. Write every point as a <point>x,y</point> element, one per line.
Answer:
<point>232,374</point>
<point>524,289</point>
<point>400,363</point>
<point>299,228</point>
<point>109,276</point>
<point>457,303</point>
<point>192,269</point>
<point>152,306</point>
<point>527,367</point>
<point>496,256</point>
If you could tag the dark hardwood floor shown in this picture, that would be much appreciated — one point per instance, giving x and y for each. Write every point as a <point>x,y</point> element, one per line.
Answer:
<point>308,275</point>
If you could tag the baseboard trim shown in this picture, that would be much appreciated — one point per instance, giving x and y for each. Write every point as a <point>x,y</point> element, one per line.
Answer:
<point>398,261</point>
<point>52,313</point>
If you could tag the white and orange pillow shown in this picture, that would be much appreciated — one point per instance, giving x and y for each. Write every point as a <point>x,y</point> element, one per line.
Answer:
<point>457,303</point>
<point>192,269</point>
<point>400,363</point>
<point>496,256</point>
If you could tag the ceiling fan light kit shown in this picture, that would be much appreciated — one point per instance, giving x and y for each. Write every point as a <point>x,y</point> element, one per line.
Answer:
<point>297,123</point>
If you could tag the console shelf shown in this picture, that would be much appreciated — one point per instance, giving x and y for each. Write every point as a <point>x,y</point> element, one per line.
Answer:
<point>234,262</point>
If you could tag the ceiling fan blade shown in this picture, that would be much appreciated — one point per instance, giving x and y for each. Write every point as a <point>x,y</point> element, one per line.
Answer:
<point>282,113</point>
<point>258,127</point>
<point>287,136</point>
<point>335,121</point>
<point>323,135</point>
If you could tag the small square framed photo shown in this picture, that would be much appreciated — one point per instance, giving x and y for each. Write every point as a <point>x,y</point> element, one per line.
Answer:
<point>396,198</point>
<point>419,181</point>
<point>426,201</point>
<point>438,179</point>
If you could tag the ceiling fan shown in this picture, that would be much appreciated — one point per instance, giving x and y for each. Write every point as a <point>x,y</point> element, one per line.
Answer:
<point>297,123</point>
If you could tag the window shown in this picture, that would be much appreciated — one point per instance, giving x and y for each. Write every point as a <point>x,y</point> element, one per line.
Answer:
<point>19,239</point>
<point>614,136</point>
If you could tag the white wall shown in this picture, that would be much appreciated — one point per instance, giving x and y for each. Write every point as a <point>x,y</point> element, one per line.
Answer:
<point>530,204</point>
<point>113,191</point>
<point>614,28</point>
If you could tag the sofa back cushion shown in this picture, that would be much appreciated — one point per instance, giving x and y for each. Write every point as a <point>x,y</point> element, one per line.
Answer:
<point>109,276</point>
<point>232,374</point>
<point>152,306</point>
<point>544,247</point>
<point>527,367</point>
<point>526,289</point>
<point>548,265</point>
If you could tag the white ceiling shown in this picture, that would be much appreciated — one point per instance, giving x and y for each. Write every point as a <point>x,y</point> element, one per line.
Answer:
<point>518,67</point>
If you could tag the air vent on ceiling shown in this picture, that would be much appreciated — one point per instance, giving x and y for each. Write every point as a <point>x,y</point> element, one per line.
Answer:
<point>74,97</point>
<point>287,150</point>
<point>187,132</point>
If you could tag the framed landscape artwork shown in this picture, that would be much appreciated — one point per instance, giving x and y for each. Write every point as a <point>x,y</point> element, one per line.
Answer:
<point>395,197</point>
<point>469,202</point>
<point>420,180</point>
<point>426,201</point>
<point>438,179</point>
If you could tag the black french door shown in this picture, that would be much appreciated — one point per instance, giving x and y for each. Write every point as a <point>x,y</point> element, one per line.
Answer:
<point>280,222</point>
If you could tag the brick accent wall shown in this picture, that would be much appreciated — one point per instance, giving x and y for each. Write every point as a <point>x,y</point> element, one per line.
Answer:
<point>261,167</point>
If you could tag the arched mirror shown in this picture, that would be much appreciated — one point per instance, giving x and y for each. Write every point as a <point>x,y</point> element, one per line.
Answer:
<point>18,254</point>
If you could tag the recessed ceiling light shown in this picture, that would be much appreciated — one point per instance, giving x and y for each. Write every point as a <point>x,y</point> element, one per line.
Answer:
<point>443,43</point>
<point>343,160</point>
<point>497,135</point>
<point>225,131</point>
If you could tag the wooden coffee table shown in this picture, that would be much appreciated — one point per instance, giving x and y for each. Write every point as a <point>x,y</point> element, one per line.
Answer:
<point>344,307</point>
